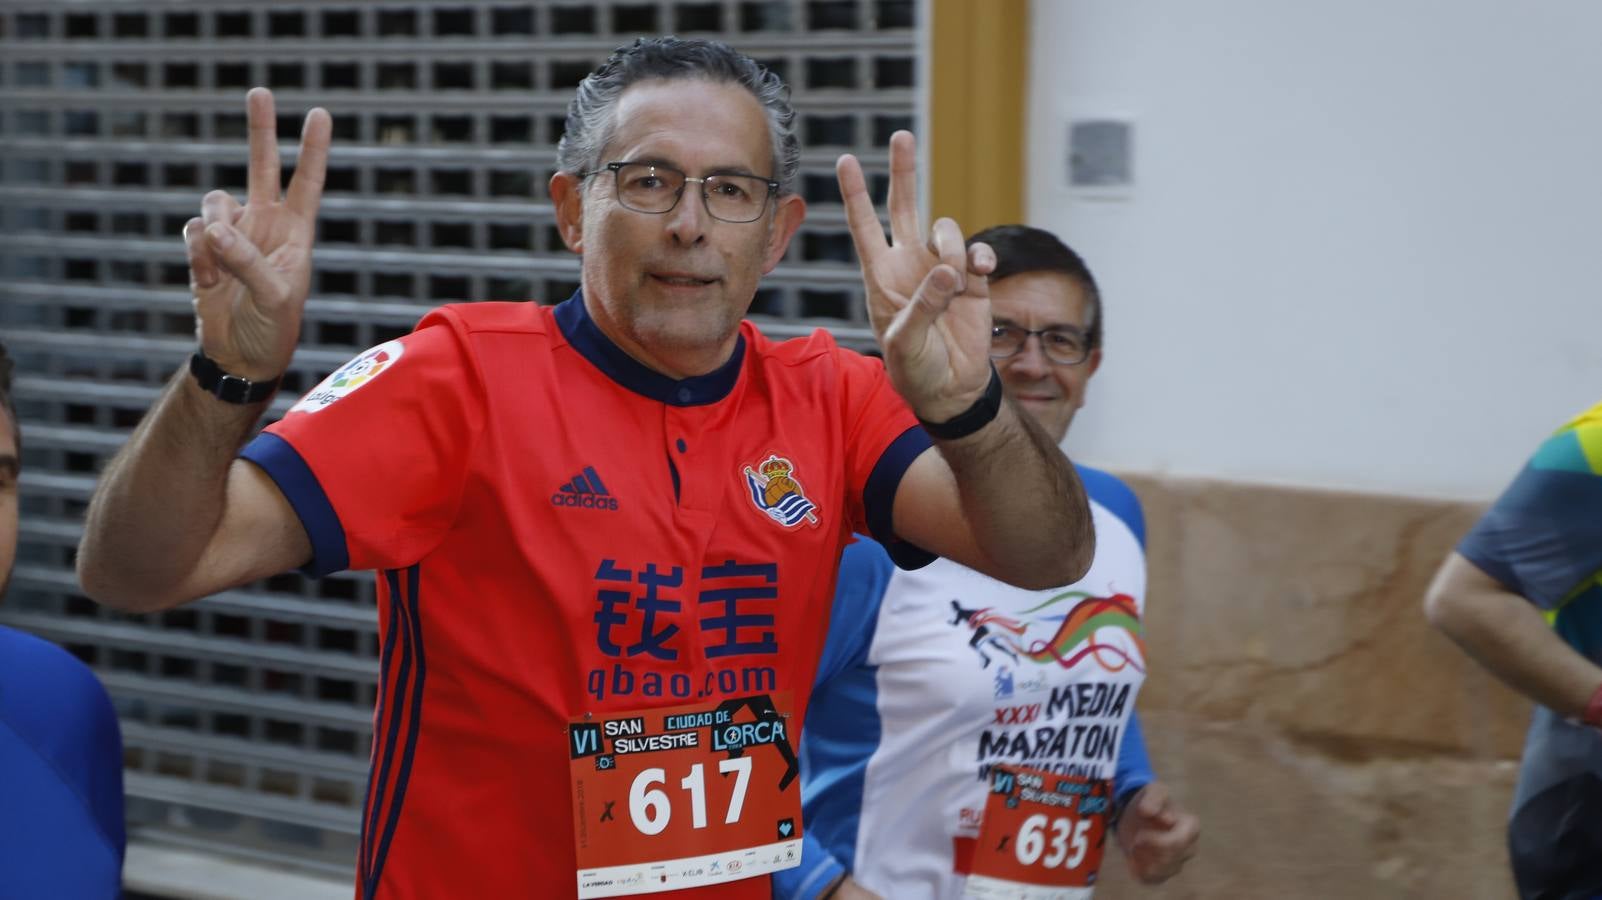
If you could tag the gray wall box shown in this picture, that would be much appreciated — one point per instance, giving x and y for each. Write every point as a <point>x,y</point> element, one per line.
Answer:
<point>1100,153</point>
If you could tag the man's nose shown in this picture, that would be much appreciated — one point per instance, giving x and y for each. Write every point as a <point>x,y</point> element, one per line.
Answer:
<point>688,220</point>
<point>1031,357</point>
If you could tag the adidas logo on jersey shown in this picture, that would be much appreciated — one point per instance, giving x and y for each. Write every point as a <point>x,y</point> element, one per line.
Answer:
<point>585,490</point>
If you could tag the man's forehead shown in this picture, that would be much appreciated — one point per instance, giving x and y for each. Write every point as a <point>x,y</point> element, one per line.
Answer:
<point>691,124</point>
<point>1043,298</point>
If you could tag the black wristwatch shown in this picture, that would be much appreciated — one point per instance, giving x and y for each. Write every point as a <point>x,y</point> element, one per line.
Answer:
<point>229,388</point>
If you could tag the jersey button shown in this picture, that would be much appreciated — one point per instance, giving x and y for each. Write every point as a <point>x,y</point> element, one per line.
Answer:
<point>683,447</point>
<point>684,395</point>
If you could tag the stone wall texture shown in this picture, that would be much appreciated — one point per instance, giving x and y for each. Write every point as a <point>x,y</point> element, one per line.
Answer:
<point>1334,745</point>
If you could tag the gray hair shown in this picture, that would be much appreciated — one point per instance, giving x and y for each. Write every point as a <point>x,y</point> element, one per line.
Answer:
<point>590,121</point>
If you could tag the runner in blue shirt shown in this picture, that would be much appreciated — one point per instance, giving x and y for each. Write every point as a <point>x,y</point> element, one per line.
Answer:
<point>61,824</point>
<point>1523,595</point>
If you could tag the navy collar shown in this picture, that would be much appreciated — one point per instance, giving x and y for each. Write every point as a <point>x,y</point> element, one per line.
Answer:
<point>697,390</point>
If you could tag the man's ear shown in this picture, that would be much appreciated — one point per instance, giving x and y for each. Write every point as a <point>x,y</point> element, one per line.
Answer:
<point>567,198</point>
<point>786,219</point>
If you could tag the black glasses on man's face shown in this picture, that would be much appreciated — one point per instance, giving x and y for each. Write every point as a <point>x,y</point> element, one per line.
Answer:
<point>1063,345</point>
<point>656,189</point>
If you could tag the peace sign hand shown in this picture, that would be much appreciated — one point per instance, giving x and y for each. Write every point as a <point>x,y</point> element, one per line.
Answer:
<point>250,265</point>
<point>928,301</point>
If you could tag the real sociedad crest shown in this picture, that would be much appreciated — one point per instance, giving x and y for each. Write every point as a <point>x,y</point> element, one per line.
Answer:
<point>775,491</point>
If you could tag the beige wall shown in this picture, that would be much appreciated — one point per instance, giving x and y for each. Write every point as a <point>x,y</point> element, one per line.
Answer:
<point>1333,744</point>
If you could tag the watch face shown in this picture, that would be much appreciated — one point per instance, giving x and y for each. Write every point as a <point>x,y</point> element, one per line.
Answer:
<point>234,390</point>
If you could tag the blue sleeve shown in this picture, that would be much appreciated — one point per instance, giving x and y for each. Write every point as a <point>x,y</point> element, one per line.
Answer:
<point>842,728</point>
<point>1111,492</point>
<point>865,570</point>
<point>1543,537</point>
<point>817,871</point>
<point>1133,770</point>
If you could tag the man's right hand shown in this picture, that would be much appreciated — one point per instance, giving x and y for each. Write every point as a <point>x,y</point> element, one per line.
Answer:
<point>250,265</point>
<point>1157,834</point>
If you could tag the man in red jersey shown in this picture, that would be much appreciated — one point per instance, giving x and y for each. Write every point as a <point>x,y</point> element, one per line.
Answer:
<point>605,532</point>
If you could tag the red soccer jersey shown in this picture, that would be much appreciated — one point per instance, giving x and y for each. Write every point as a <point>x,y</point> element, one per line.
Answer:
<point>561,532</point>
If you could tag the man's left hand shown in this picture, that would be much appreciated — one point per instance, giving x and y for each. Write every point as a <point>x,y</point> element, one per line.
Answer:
<point>1157,834</point>
<point>928,299</point>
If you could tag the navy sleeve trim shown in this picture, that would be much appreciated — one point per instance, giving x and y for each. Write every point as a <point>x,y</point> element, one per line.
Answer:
<point>284,465</point>
<point>879,497</point>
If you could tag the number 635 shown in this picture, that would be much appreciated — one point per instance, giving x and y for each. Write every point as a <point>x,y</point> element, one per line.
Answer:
<point>1068,841</point>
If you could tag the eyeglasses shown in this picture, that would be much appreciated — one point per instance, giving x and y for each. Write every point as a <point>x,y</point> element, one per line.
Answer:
<point>650,188</point>
<point>1063,345</point>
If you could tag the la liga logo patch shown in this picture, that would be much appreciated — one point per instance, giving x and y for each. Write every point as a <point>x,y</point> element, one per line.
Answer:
<point>352,375</point>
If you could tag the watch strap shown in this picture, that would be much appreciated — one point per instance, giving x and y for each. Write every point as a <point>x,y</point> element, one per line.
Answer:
<point>229,388</point>
<point>974,417</point>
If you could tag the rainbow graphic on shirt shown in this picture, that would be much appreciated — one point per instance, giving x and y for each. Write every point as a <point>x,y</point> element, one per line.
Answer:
<point>1075,634</point>
<point>1075,638</point>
